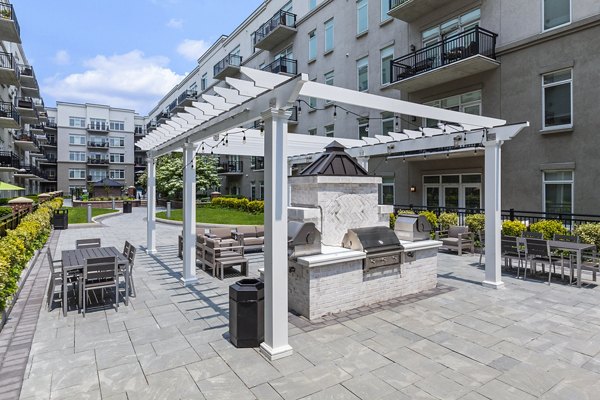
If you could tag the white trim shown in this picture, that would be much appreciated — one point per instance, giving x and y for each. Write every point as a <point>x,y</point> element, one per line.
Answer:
<point>562,182</point>
<point>544,86</point>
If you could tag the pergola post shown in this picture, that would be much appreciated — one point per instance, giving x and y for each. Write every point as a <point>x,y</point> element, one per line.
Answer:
<point>189,214</point>
<point>151,207</point>
<point>363,161</point>
<point>493,223</point>
<point>276,343</point>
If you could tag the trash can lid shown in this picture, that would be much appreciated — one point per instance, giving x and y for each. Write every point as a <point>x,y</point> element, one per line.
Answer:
<point>247,289</point>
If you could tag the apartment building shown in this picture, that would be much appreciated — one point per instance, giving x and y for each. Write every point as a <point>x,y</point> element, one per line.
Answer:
<point>92,142</point>
<point>521,61</point>
<point>22,111</point>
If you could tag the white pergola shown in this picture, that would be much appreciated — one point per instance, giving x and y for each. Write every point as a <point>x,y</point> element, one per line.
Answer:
<point>269,97</point>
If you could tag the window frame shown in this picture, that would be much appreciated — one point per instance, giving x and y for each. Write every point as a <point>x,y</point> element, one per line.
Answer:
<point>381,57</point>
<point>72,123</point>
<point>79,170</point>
<point>359,65</point>
<point>385,7</point>
<point>362,6</point>
<point>329,79</point>
<point>83,142</point>
<point>391,184</point>
<point>329,31</point>
<point>544,86</point>
<point>385,119</point>
<point>112,139</point>
<point>328,132</point>
<point>558,182</point>
<point>78,156</point>
<point>363,125</point>
<point>312,45</point>
<point>115,125</point>
<point>544,29</point>
<point>111,174</point>
<point>312,4</point>
<point>121,156</point>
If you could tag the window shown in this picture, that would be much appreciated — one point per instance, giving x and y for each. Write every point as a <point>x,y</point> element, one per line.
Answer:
<point>387,55</point>
<point>387,122</point>
<point>328,81</point>
<point>139,129</point>
<point>312,45</point>
<point>96,175</point>
<point>77,156</point>
<point>117,125</point>
<point>51,121</point>
<point>117,157</point>
<point>452,191</point>
<point>385,7</point>
<point>262,190</point>
<point>387,191</point>
<point>363,127</point>
<point>77,122</point>
<point>556,13</point>
<point>203,82</point>
<point>76,173</point>
<point>312,132</point>
<point>451,27</point>
<point>77,140</point>
<point>117,142</point>
<point>558,191</point>
<point>329,35</point>
<point>257,162</point>
<point>362,16</point>
<point>329,129</point>
<point>252,191</point>
<point>362,70</point>
<point>98,124</point>
<point>117,174</point>
<point>557,99</point>
<point>312,4</point>
<point>469,103</point>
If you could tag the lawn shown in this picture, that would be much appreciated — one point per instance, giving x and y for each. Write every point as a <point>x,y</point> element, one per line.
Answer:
<point>213,215</point>
<point>79,215</point>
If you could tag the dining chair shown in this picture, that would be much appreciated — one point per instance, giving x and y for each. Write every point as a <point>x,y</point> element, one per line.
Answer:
<point>87,243</point>
<point>126,248</point>
<point>98,273</point>
<point>538,250</point>
<point>481,236</point>
<point>131,259</point>
<point>56,279</point>
<point>570,239</point>
<point>509,249</point>
<point>532,235</point>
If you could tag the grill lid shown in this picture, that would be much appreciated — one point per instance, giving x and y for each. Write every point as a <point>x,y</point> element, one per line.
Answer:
<point>375,238</point>
<point>300,233</point>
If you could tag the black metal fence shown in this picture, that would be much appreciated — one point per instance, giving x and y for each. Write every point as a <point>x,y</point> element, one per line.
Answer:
<point>281,18</point>
<point>230,60</point>
<point>569,220</point>
<point>282,65</point>
<point>231,167</point>
<point>7,61</point>
<point>452,49</point>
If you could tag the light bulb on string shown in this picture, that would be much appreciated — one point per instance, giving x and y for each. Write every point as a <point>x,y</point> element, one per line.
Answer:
<point>244,138</point>
<point>334,112</point>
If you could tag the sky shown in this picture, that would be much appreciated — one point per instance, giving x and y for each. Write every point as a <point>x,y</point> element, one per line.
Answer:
<point>123,53</point>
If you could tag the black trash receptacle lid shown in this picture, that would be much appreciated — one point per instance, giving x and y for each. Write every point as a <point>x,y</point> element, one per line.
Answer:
<point>247,290</point>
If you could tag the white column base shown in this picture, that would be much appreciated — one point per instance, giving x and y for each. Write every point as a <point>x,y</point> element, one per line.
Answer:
<point>493,285</point>
<point>276,354</point>
<point>150,251</point>
<point>188,281</point>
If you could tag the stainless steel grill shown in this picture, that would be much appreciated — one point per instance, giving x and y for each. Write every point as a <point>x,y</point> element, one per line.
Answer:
<point>303,239</point>
<point>379,242</point>
<point>412,227</point>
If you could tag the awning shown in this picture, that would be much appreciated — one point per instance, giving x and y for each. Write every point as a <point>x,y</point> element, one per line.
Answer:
<point>7,186</point>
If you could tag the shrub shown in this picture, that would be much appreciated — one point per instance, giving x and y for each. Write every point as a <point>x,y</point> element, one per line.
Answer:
<point>431,217</point>
<point>513,228</point>
<point>447,219</point>
<point>548,228</point>
<point>589,233</point>
<point>5,211</point>
<point>254,206</point>
<point>392,220</point>
<point>19,244</point>
<point>475,222</point>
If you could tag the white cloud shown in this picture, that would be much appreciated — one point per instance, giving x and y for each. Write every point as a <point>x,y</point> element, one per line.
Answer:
<point>175,23</point>
<point>128,80</point>
<point>192,49</point>
<point>62,57</point>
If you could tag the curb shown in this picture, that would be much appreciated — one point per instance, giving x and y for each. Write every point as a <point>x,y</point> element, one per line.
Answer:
<point>198,224</point>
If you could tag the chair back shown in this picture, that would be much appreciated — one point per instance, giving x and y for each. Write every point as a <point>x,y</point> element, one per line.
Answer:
<point>533,235</point>
<point>50,261</point>
<point>131,255</point>
<point>100,268</point>
<point>566,238</point>
<point>87,243</point>
<point>453,230</point>
<point>509,245</point>
<point>221,233</point>
<point>481,236</point>
<point>126,248</point>
<point>536,247</point>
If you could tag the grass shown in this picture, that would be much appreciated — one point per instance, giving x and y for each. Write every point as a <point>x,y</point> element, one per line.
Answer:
<point>79,215</point>
<point>214,215</point>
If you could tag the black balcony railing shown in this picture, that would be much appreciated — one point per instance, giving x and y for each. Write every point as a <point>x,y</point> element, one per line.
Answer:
<point>24,102</point>
<point>475,41</point>
<point>281,18</point>
<point>51,141</point>
<point>27,169</point>
<point>7,110</point>
<point>163,116</point>
<point>7,11</point>
<point>51,158</point>
<point>50,125</point>
<point>96,178</point>
<point>98,143</point>
<point>26,70</point>
<point>150,126</point>
<point>23,136</point>
<point>282,65</point>
<point>9,159</point>
<point>396,3</point>
<point>230,60</point>
<point>187,95</point>
<point>97,160</point>
<point>7,61</point>
<point>231,167</point>
<point>98,126</point>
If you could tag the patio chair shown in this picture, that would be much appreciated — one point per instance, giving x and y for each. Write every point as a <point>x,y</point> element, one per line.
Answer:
<point>98,273</point>
<point>87,243</point>
<point>126,248</point>
<point>457,238</point>
<point>251,237</point>
<point>56,279</point>
<point>538,250</point>
<point>481,236</point>
<point>570,239</point>
<point>509,248</point>
<point>131,259</point>
<point>532,235</point>
<point>214,250</point>
<point>590,263</point>
<point>224,235</point>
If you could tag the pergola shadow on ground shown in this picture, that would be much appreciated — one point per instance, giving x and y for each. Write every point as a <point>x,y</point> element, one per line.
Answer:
<point>267,98</point>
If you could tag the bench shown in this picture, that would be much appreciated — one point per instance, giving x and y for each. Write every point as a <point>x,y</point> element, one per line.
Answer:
<point>225,262</point>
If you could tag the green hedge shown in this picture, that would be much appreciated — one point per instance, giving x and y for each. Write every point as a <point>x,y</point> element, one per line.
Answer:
<point>19,245</point>
<point>589,233</point>
<point>5,211</point>
<point>447,219</point>
<point>513,228</point>
<point>254,206</point>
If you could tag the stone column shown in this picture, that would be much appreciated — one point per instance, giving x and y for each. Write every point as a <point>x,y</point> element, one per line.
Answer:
<point>151,208</point>
<point>189,215</point>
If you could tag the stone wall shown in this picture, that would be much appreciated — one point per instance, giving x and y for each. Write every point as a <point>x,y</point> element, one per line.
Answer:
<point>317,291</point>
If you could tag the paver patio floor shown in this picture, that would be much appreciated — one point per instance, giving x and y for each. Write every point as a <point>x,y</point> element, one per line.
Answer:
<point>527,341</point>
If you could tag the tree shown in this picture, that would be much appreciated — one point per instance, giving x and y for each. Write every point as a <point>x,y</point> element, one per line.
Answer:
<point>169,175</point>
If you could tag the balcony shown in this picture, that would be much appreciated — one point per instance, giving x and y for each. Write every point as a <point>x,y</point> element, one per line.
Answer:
<point>10,30</point>
<point>26,109</point>
<point>150,126</point>
<point>26,141</point>
<point>459,56</point>
<point>98,161</point>
<point>411,10</point>
<point>98,127</point>
<point>50,142</point>
<point>162,117</point>
<point>228,66</point>
<point>185,99</point>
<point>98,144</point>
<point>50,126</point>
<point>293,120</point>
<point>29,172</point>
<point>9,73</point>
<point>9,117</point>
<point>275,31</point>
<point>49,158</point>
<point>282,65</point>
<point>231,168</point>
<point>9,161</point>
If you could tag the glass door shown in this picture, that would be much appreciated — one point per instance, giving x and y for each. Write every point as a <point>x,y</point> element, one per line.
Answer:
<point>451,197</point>
<point>472,196</point>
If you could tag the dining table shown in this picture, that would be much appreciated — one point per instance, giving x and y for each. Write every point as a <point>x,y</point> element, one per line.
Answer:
<point>573,247</point>
<point>73,262</point>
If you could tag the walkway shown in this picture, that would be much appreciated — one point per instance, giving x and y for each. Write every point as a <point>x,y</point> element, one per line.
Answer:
<point>458,342</point>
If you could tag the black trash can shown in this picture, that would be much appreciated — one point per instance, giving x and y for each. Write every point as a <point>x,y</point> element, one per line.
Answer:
<point>127,207</point>
<point>60,219</point>
<point>247,313</point>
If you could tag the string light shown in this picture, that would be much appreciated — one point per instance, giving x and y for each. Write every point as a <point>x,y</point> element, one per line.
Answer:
<point>299,108</point>
<point>334,112</point>
<point>244,138</point>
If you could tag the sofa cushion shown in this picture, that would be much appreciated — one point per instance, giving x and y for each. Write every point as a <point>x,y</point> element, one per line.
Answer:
<point>453,231</point>
<point>247,230</point>
<point>260,230</point>
<point>222,233</point>
<point>253,241</point>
